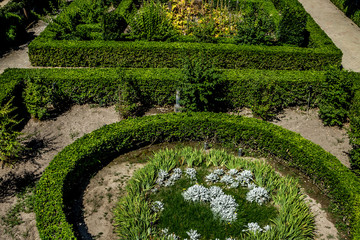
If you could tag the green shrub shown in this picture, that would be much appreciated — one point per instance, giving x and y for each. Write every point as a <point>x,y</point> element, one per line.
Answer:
<point>10,145</point>
<point>41,97</point>
<point>292,27</point>
<point>150,22</point>
<point>336,97</point>
<point>202,88</point>
<point>257,27</point>
<point>231,131</point>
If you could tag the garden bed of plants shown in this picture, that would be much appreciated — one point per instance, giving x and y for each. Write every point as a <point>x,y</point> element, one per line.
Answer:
<point>178,189</point>
<point>339,182</point>
<point>249,34</point>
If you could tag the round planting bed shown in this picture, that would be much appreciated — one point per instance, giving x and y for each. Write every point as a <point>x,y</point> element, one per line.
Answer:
<point>231,131</point>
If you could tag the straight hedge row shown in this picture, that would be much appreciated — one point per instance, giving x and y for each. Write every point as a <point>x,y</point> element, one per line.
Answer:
<point>231,131</point>
<point>245,88</point>
<point>350,8</point>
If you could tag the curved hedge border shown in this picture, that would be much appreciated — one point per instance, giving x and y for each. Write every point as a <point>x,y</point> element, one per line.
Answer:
<point>342,185</point>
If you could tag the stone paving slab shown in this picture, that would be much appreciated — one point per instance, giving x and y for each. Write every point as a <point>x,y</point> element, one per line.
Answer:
<point>342,31</point>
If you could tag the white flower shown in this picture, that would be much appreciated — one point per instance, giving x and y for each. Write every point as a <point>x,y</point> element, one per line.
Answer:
<point>251,186</point>
<point>253,227</point>
<point>258,194</point>
<point>224,207</point>
<point>193,234</point>
<point>157,206</point>
<point>215,192</point>
<point>219,172</point>
<point>266,228</point>
<point>233,172</point>
<point>197,193</point>
<point>162,175</point>
<point>244,178</point>
<point>235,184</point>
<point>227,179</point>
<point>191,173</point>
<point>176,175</point>
<point>212,177</point>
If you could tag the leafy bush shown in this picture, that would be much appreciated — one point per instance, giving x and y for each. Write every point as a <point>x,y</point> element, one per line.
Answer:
<point>336,97</point>
<point>150,22</point>
<point>10,145</point>
<point>257,27</point>
<point>203,88</point>
<point>41,96</point>
<point>87,152</point>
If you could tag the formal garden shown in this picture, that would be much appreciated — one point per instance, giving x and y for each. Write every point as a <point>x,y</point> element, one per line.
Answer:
<point>209,58</point>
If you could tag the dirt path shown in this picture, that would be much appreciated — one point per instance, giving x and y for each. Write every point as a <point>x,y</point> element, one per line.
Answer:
<point>19,58</point>
<point>342,31</point>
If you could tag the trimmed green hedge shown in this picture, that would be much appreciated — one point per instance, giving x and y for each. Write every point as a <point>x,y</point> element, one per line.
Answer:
<point>87,152</point>
<point>351,8</point>
<point>45,51</point>
<point>250,88</point>
<point>141,54</point>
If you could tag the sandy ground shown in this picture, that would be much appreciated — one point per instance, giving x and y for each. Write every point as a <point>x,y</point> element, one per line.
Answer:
<point>51,136</point>
<point>342,31</point>
<point>3,3</point>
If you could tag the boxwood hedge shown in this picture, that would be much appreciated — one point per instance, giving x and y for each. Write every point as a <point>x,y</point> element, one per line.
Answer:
<point>245,88</point>
<point>89,151</point>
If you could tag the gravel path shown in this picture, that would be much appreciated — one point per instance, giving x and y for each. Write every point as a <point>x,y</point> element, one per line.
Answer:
<point>342,31</point>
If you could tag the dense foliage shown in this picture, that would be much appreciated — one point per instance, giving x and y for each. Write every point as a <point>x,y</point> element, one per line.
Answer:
<point>15,17</point>
<point>76,159</point>
<point>10,145</point>
<point>336,97</point>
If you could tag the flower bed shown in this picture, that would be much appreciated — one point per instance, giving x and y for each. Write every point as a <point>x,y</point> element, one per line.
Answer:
<point>184,202</point>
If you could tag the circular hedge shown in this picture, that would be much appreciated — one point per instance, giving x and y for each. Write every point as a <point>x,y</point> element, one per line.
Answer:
<point>88,152</point>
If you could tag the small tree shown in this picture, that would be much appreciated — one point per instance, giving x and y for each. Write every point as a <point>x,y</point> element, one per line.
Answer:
<point>10,146</point>
<point>203,87</point>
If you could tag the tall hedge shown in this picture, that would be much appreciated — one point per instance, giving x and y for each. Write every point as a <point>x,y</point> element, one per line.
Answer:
<point>87,152</point>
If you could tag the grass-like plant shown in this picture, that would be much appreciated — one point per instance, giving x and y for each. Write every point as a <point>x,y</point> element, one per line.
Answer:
<point>134,218</point>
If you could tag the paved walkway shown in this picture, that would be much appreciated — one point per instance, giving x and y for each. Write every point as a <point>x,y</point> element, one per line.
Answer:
<point>343,32</point>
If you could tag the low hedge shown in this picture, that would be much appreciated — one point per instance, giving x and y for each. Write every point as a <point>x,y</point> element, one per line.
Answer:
<point>245,88</point>
<point>87,152</point>
<point>350,8</point>
<point>142,54</point>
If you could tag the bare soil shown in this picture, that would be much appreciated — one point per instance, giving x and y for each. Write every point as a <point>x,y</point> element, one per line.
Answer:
<point>51,136</point>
